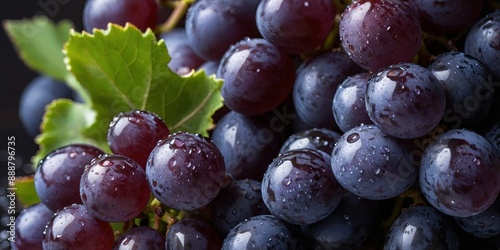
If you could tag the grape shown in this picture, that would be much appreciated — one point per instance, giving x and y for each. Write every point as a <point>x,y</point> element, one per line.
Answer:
<point>405,100</point>
<point>142,237</point>
<point>295,26</point>
<point>482,225</point>
<point>247,144</point>
<point>98,13</point>
<point>299,186</point>
<point>35,96</point>
<point>469,94</point>
<point>240,200</point>
<point>114,188</point>
<point>349,109</point>
<point>212,26</point>
<point>315,85</point>
<point>260,232</point>
<point>347,227</point>
<point>57,177</point>
<point>257,77</point>
<point>444,17</point>
<point>483,42</point>
<point>316,138</point>
<point>422,227</point>
<point>183,58</point>
<point>459,173</point>
<point>30,224</point>
<point>492,134</point>
<point>192,233</point>
<point>185,171</point>
<point>135,134</point>
<point>210,67</point>
<point>372,164</point>
<point>378,33</point>
<point>74,227</point>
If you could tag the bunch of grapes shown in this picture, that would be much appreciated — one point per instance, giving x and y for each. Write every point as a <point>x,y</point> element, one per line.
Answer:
<point>370,124</point>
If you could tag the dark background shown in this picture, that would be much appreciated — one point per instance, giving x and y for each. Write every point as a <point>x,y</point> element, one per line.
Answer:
<point>14,76</point>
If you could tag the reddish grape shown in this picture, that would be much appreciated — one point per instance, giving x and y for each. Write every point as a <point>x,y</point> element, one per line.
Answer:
<point>142,237</point>
<point>192,233</point>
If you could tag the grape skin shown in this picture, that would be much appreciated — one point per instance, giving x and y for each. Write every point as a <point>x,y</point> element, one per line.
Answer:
<point>316,138</point>
<point>142,237</point>
<point>30,225</point>
<point>192,233</point>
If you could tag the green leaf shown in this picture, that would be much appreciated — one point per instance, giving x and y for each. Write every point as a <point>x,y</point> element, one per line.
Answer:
<point>39,42</point>
<point>25,191</point>
<point>64,123</point>
<point>124,69</point>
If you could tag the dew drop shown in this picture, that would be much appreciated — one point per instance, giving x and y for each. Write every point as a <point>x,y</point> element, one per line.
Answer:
<point>352,138</point>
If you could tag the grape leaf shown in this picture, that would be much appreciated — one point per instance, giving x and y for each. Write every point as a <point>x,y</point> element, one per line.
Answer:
<point>124,69</point>
<point>25,191</point>
<point>39,42</point>
<point>64,123</point>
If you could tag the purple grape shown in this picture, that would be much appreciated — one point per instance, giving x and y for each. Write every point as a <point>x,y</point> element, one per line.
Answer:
<point>316,138</point>
<point>114,188</point>
<point>185,171</point>
<point>74,227</point>
<point>135,134</point>
<point>379,33</point>
<point>299,186</point>
<point>142,237</point>
<point>483,42</point>
<point>460,173</point>
<point>212,26</point>
<point>405,100</point>
<point>210,67</point>
<point>295,26</point>
<point>98,13</point>
<point>445,17</point>
<point>257,77</point>
<point>240,200</point>
<point>422,227</point>
<point>57,177</point>
<point>315,85</point>
<point>247,144</point>
<point>192,233</point>
<point>372,164</point>
<point>469,93</point>
<point>261,232</point>
<point>183,58</point>
<point>483,225</point>
<point>30,225</point>
<point>349,109</point>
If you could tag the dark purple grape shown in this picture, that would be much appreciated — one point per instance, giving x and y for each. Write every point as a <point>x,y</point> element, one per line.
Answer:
<point>445,17</point>
<point>316,138</point>
<point>483,225</point>
<point>405,100</point>
<point>185,171</point>
<point>212,26</point>
<point>299,186</point>
<point>192,233</point>
<point>349,109</point>
<point>240,200</point>
<point>315,85</point>
<point>422,227</point>
<point>257,76</point>
<point>492,134</point>
<point>210,67</point>
<point>135,134</point>
<point>39,92</point>
<point>114,188</point>
<point>183,58</point>
<point>98,13</point>
<point>295,26</point>
<point>372,164</point>
<point>483,42</point>
<point>142,237</point>
<point>247,143</point>
<point>379,33</point>
<point>347,227</point>
<point>30,225</point>
<point>57,177</point>
<point>74,227</point>
<point>261,232</point>
<point>460,173</point>
<point>469,93</point>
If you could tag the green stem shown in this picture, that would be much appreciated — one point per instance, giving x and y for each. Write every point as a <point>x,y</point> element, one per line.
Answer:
<point>180,9</point>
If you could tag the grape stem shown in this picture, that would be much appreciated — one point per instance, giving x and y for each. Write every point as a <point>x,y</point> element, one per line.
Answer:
<point>180,9</point>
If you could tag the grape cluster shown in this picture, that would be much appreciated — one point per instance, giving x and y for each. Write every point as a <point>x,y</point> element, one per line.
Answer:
<point>371,124</point>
